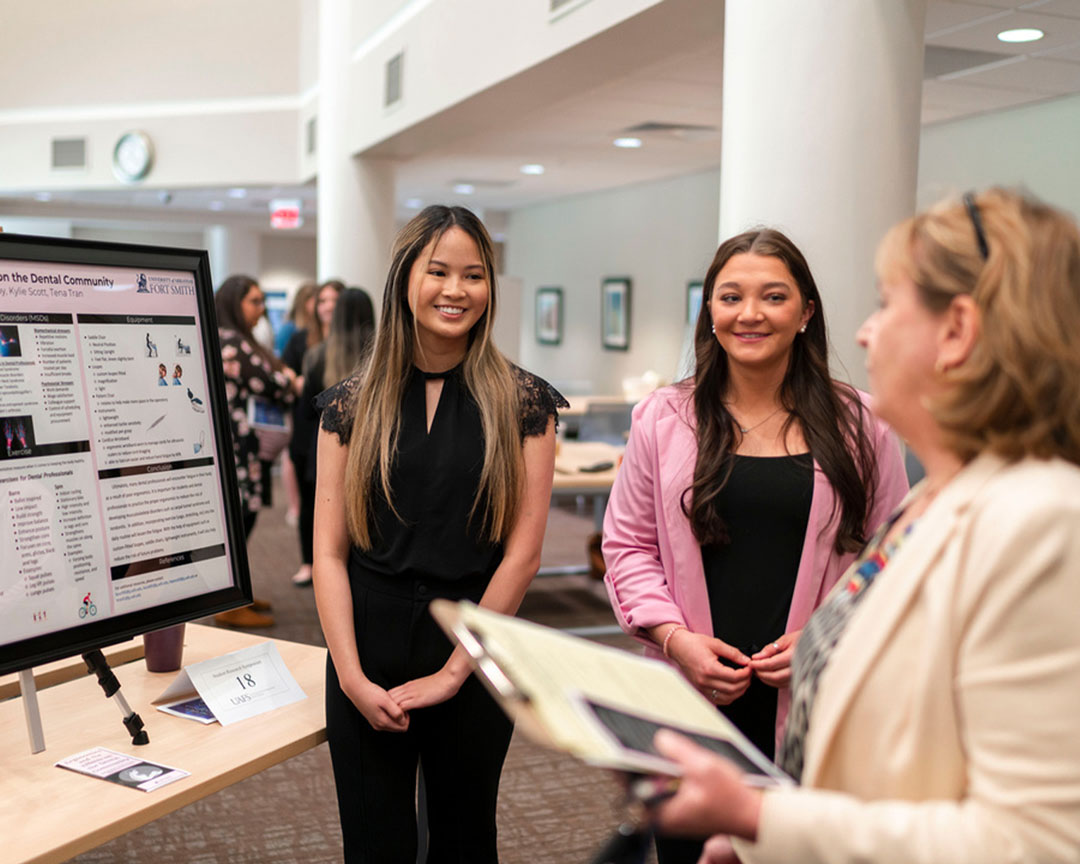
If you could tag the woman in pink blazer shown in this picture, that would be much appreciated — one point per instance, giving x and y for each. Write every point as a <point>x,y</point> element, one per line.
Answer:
<point>745,492</point>
<point>935,693</point>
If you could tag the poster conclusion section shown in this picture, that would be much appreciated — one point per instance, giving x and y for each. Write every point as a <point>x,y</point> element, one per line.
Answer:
<point>109,495</point>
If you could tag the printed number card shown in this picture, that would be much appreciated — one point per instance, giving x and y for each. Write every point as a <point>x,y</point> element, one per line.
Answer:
<point>237,685</point>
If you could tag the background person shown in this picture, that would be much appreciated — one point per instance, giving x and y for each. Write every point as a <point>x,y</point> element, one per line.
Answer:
<point>306,338</point>
<point>300,314</point>
<point>434,480</point>
<point>349,335</point>
<point>250,369</point>
<point>935,693</point>
<point>316,305</point>
<point>324,302</point>
<point>745,492</point>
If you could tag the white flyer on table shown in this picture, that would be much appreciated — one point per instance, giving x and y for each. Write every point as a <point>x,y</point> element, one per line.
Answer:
<point>238,685</point>
<point>120,768</point>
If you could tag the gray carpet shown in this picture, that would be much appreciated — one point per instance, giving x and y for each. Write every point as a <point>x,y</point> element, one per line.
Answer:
<point>552,809</point>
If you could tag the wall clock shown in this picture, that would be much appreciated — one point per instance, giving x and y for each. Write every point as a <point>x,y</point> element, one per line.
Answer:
<point>133,156</point>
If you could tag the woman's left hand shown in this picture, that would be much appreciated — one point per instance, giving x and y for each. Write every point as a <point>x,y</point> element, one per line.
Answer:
<point>429,690</point>
<point>712,797</point>
<point>772,664</point>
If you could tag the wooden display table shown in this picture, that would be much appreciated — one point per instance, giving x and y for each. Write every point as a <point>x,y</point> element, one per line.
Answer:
<point>571,457</point>
<point>51,815</point>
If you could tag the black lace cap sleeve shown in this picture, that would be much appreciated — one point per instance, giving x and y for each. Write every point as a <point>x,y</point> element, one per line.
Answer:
<point>539,401</point>
<point>338,405</point>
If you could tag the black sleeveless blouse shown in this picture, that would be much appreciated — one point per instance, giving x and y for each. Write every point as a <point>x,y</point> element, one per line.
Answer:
<point>434,477</point>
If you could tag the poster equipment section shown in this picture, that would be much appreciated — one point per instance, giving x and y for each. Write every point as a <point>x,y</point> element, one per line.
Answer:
<point>118,495</point>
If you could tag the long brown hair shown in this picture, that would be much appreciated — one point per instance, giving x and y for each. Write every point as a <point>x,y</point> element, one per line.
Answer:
<point>488,378</point>
<point>831,415</point>
<point>348,337</point>
<point>316,333</point>
<point>1018,393</point>
<point>229,311</point>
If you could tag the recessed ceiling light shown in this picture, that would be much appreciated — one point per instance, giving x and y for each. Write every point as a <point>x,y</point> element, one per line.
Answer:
<point>532,168</point>
<point>414,203</point>
<point>238,193</point>
<point>1023,34</point>
<point>216,205</point>
<point>627,143</point>
<point>43,196</point>
<point>464,188</point>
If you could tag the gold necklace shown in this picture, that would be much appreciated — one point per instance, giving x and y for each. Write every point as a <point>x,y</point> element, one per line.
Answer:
<point>746,429</point>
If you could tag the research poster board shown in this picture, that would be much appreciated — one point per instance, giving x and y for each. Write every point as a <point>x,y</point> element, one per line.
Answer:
<point>117,483</point>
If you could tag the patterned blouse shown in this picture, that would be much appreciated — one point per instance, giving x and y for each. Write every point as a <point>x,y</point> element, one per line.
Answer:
<point>247,373</point>
<point>821,635</point>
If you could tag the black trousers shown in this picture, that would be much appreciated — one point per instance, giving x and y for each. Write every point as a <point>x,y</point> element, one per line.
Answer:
<point>461,744</point>
<point>306,488</point>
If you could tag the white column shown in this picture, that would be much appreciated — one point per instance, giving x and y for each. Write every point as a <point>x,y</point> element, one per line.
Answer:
<point>821,138</point>
<point>233,250</point>
<point>356,195</point>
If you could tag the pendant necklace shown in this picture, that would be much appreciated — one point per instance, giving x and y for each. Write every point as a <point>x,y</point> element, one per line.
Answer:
<point>746,429</point>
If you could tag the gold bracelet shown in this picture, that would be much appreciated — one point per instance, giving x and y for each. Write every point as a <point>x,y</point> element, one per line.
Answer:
<point>667,637</point>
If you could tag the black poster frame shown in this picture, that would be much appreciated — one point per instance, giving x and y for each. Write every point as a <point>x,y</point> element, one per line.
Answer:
<point>35,650</point>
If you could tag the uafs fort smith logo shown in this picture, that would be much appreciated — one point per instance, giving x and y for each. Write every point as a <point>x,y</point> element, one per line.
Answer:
<point>163,284</point>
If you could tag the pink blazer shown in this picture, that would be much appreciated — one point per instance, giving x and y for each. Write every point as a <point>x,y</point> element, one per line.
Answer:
<point>654,568</point>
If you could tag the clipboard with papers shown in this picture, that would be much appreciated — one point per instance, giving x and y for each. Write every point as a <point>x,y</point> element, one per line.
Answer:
<point>597,703</point>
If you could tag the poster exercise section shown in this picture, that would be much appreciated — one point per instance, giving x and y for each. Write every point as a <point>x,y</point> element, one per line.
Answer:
<point>111,499</point>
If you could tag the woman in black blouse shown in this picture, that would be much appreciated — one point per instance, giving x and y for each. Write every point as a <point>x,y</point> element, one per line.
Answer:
<point>434,476</point>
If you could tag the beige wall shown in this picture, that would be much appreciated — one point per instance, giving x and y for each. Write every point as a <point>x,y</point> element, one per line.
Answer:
<point>660,235</point>
<point>216,86</point>
<point>442,38</point>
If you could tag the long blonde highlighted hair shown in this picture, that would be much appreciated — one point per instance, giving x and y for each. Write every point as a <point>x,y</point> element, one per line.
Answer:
<point>1018,393</point>
<point>487,374</point>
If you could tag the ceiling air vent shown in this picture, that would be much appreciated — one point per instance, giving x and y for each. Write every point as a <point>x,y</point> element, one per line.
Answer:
<point>311,132</point>
<point>939,61</point>
<point>482,184</point>
<point>393,80</point>
<point>671,130</point>
<point>69,153</point>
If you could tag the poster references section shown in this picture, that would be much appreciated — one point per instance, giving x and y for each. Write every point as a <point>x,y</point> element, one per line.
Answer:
<point>110,501</point>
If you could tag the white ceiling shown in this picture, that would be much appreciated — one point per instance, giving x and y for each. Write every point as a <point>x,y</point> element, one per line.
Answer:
<point>568,125</point>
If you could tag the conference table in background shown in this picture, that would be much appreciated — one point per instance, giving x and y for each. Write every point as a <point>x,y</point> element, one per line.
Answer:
<point>50,815</point>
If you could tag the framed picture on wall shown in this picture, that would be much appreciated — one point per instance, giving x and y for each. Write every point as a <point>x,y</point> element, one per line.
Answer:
<point>693,300</point>
<point>549,316</point>
<point>615,314</point>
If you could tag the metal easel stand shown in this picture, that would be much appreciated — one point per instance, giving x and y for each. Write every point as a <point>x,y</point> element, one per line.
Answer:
<point>28,688</point>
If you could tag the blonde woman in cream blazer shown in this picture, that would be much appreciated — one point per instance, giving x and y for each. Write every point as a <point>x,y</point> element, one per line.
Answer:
<point>937,695</point>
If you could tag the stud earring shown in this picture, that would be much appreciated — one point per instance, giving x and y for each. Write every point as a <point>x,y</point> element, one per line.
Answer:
<point>713,329</point>
<point>802,329</point>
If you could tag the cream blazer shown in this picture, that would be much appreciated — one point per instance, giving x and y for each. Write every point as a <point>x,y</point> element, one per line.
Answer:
<point>946,726</point>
